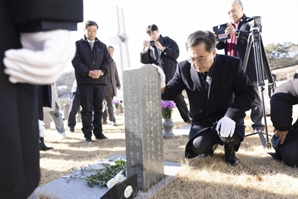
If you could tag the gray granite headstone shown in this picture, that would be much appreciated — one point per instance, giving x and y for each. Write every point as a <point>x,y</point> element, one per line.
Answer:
<point>65,111</point>
<point>47,118</point>
<point>143,128</point>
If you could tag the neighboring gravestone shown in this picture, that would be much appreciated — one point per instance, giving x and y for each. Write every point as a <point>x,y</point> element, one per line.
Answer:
<point>65,111</point>
<point>47,118</point>
<point>143,128</point>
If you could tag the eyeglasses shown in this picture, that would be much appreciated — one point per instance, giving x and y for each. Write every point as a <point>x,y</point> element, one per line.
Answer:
<point>199,60</point>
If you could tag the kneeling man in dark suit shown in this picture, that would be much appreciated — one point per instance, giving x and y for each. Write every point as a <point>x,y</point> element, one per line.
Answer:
<point>219,94</point>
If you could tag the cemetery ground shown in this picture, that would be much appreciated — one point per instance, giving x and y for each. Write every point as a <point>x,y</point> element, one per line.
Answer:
<point>256,176</point>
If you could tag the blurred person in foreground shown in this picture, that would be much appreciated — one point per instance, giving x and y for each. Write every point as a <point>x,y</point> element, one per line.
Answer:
<point>218,97</point>
<point>91,64</point>
<point>285,139</point>
<point>163,52</point>
<point>35,46</point>
<point>113,83</point>
<point>239,29</point>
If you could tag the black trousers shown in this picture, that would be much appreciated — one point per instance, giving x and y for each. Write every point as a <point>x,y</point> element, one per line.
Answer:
<point>91,97</point>
<point>182,107</point>
<point>109,110</point>
<point>74,108</point>
<point>204,140</point>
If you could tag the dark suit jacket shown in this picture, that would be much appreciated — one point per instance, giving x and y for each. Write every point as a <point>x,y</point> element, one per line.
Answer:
<point>242,40</point>
<point>113,81</point>
<point>19,133</point>
<point>230,93</point>
<point>168,58</point>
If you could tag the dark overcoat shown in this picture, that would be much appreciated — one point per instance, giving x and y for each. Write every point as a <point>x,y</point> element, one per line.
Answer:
<point>244,27</point>
<point>19,134</point>
<point>230,93</point>
<point>113,81</point>
<point>168,58</point>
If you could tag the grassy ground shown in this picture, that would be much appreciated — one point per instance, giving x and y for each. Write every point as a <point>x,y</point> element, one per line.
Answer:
<point>256,176</point>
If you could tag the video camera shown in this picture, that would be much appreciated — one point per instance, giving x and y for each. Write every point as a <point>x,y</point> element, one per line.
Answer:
<point>255,22</point>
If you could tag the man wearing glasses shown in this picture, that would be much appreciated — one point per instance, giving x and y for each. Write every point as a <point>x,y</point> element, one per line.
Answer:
<point>218,97</point>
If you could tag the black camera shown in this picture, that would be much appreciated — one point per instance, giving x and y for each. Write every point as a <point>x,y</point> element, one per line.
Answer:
<point>152,43</point>
<point>255,21</point>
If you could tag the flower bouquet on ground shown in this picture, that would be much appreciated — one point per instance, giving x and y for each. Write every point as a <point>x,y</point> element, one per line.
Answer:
<point>116,103</point>
<point>167,108</point>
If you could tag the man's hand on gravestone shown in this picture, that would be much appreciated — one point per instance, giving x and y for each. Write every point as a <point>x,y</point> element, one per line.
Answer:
<point>226,127</point>
<point>162,77</point>
<point>42,57</point>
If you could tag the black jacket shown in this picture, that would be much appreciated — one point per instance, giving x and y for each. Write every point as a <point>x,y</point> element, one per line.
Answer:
<point>19,133</point>
<point>113,81</point>
<point>281,105</point>
<point>245,29</point>
<point>168,58</point>
<point>86,60</point>
<point>231,93</point>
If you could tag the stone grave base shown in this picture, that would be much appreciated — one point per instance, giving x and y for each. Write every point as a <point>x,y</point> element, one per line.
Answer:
<point>66,187</point>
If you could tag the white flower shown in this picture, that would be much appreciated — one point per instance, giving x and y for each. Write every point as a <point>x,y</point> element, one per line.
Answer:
<point>111,183</point>
<point>119,178</point>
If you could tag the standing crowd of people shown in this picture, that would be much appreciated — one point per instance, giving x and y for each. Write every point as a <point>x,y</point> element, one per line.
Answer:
<point>218,88</point>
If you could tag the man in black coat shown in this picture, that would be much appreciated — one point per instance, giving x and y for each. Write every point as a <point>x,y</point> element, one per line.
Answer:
<point>239,30</point>
<point>163,52</point>
<point>91,64</point>
<point>29,36</point>
<point>113,83</point>
<point>285,140</point>
<point>219,93</point>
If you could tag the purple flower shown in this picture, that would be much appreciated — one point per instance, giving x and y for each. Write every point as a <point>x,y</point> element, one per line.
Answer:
<point>167,108</point>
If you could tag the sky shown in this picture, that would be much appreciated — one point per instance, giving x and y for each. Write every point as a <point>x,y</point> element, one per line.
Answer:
<point>179,18</point>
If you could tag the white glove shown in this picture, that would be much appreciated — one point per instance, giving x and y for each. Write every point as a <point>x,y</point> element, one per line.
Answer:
<point>226,127</point>
<point>41,128</point>
<point>162,76</point>
<point>42,58</point>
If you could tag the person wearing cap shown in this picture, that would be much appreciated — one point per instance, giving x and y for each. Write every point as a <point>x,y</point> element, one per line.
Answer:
<point>91,64</point>
<point>218,98</point>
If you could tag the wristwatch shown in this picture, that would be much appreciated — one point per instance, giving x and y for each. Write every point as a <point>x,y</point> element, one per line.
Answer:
<point>102,74</point>
<point>237,33</point>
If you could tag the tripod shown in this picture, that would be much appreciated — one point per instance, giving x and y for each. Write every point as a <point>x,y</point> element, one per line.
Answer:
<point>262,70</point>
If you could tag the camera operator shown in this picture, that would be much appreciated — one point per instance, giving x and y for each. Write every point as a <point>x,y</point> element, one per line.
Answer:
<point>285,140</point>
<point>239,29</point>
<point>163,52</point>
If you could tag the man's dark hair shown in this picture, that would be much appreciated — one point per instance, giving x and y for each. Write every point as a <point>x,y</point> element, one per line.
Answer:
<point>152,28</point>
<point>200,36</point>
<point>111,47</point>
<point>90,23</point>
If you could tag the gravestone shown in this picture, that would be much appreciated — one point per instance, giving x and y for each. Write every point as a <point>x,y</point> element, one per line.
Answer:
<point>65,111</point>
<point>47,118</point>
<point>143,128</point>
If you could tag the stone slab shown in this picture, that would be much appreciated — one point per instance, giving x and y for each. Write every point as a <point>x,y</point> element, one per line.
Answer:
<point>61,188</point>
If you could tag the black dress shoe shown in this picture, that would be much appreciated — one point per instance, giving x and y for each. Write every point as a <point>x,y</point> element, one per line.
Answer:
<point>230,155</point>
<point>87,140</point>
<point>101,137</point>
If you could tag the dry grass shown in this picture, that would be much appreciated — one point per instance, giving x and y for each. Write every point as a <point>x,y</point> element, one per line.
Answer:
<point>256,176</point>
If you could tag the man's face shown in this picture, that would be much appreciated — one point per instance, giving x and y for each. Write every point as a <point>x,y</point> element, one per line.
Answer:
<point>154,35</point>
<point>111,51</point>
<point>200,59</point>
<point>91,32</point>
<point>235,12</point>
